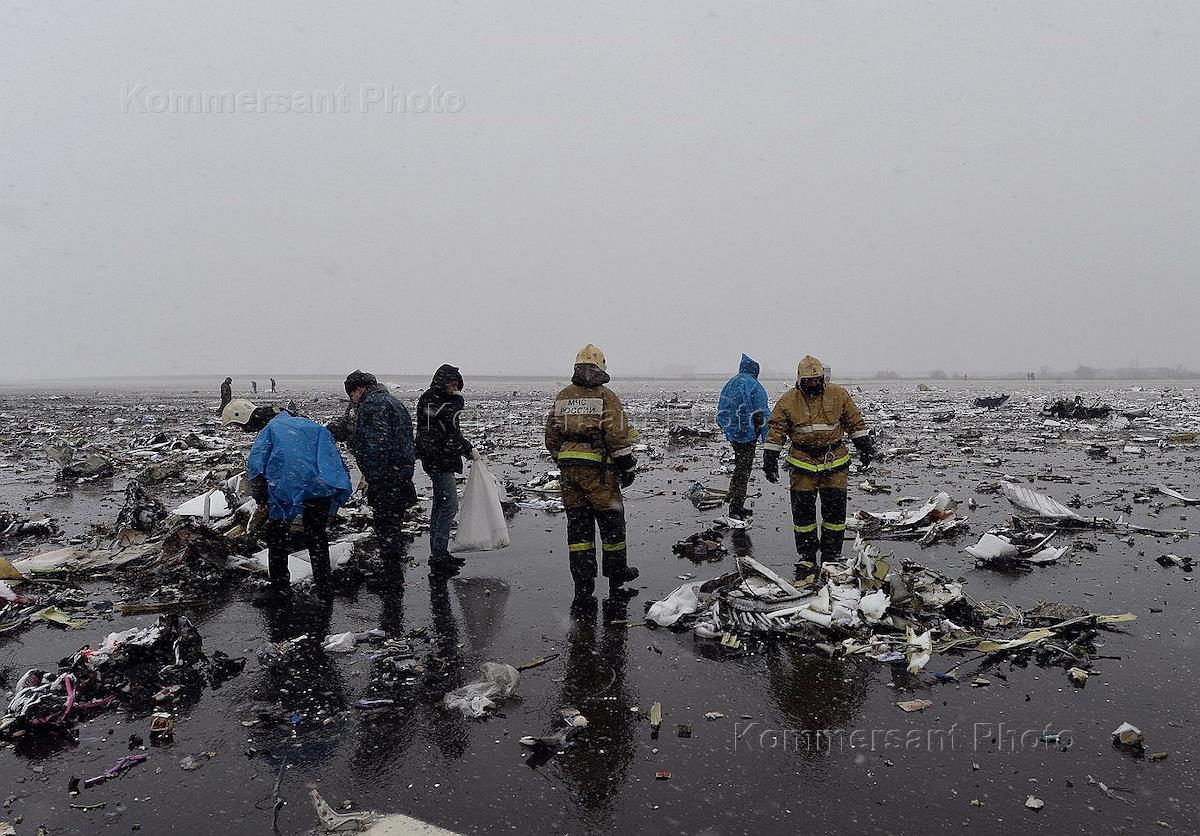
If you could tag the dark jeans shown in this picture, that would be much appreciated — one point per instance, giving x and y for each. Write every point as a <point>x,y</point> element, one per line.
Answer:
<point>441,515</point>
<point>316,540</point>
<point>743,463</point>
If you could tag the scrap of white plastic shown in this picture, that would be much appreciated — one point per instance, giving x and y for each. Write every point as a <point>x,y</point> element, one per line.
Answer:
<point>844,615</point>
<point>940,502</point>
<point>239,486</point>
<point>1125,727</point>
<point>74,559</point>
<point>340,643</point>
<point>919,648</point>
<point>210,503</point>
<point>683,601</point>
<point>499,682</point>
<point>1050,554</point>
<point>751,567</point>
<point>821,602</point>
<point>873,605</point>
<point>1176,495</point>
<point>1038,503</point>
<point>991,546</point>
<point>6,592</point>
<point>820,619</point>
<point>299,563</point>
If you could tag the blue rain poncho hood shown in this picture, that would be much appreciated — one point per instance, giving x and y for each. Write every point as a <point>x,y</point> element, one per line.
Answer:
<point>743,396</point>
<point>300,461</point>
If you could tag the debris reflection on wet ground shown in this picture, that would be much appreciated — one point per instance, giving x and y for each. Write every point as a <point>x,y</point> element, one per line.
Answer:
<point>206,714</point>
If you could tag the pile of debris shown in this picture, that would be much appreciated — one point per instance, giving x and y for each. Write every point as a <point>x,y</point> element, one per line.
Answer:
<point>990,402</point>
<point>934,520</point>
<point>1077,410</point>
<point>148,667</point>
<point>864,605</point>
<point>705,498</point>
<point>701,547</point>
<point>682,434</point>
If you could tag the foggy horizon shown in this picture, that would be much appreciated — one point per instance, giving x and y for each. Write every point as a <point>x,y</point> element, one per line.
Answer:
<point>949,186</point>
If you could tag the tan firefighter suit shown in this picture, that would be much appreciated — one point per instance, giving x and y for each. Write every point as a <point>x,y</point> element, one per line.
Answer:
<point>815,426</point>
<point>592,441</point>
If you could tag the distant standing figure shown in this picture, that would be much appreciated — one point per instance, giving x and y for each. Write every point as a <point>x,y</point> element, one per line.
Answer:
<point>254,386</point>
<point>440,447</point>
<point>226,393</point>
<point>295,470</point>
<point>272,385</point>
<point>742,413</point>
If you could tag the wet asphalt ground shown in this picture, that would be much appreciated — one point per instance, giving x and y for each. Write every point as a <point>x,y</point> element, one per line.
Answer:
<point>805,743</point>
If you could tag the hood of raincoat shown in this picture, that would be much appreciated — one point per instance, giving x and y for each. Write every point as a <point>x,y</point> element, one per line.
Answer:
<point>300,461</point>
<point>444,376</point>
<point>741,398</point>
<point>748,366</point>
<point>589,375</point>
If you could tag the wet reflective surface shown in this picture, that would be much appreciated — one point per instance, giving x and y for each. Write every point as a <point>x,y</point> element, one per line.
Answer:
<point>805,741</point>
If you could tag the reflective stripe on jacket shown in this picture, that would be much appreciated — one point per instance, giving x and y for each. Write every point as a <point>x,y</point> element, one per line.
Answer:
<point>815,427</point>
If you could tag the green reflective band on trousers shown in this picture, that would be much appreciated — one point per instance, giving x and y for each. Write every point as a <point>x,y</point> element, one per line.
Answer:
<point>818,468</point>
<point>614,547</point>
<point>579,455</point>
<point>833,526</point>
<point>581,547</point>
<point>804,529</point>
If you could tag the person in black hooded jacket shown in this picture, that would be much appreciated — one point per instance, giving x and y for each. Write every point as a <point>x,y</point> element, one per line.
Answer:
<point>441,447</point>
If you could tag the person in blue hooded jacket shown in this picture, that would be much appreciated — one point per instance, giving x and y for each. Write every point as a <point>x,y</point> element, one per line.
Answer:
<point>295,469</point>
<point>742,413</point>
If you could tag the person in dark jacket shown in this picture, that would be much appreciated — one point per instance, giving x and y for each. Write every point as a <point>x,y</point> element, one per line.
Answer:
<point>382,444</point>
<point>441,447</point>
<point>226,393</point>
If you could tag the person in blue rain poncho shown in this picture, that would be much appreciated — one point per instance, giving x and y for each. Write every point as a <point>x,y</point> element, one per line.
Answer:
<point>742,413</point>
<point>295,470</point>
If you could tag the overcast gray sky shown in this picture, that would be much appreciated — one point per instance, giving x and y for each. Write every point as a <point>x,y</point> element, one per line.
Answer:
<point>963,185</point>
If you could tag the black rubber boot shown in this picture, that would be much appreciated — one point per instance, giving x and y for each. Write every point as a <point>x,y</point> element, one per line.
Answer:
<point>584,588</point>
<point>617,578</point>
<point>442,565</point>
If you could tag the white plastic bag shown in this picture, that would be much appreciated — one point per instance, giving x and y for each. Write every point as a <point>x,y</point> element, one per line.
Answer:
<point>481,524</point>
<point>499,682</point>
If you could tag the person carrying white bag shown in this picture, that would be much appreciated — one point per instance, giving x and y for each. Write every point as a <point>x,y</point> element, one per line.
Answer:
<point>440,446</point>
<point>481,525</point>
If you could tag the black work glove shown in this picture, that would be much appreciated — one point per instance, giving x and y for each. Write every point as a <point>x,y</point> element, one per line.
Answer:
<point>771,465</point>
<point>866,450</point>
<point>627,465</point>
<point>758,420</point>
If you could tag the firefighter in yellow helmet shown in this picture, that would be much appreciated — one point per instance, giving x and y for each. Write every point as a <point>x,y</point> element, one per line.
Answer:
<point>814,418</point>
<point>592,441</point>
